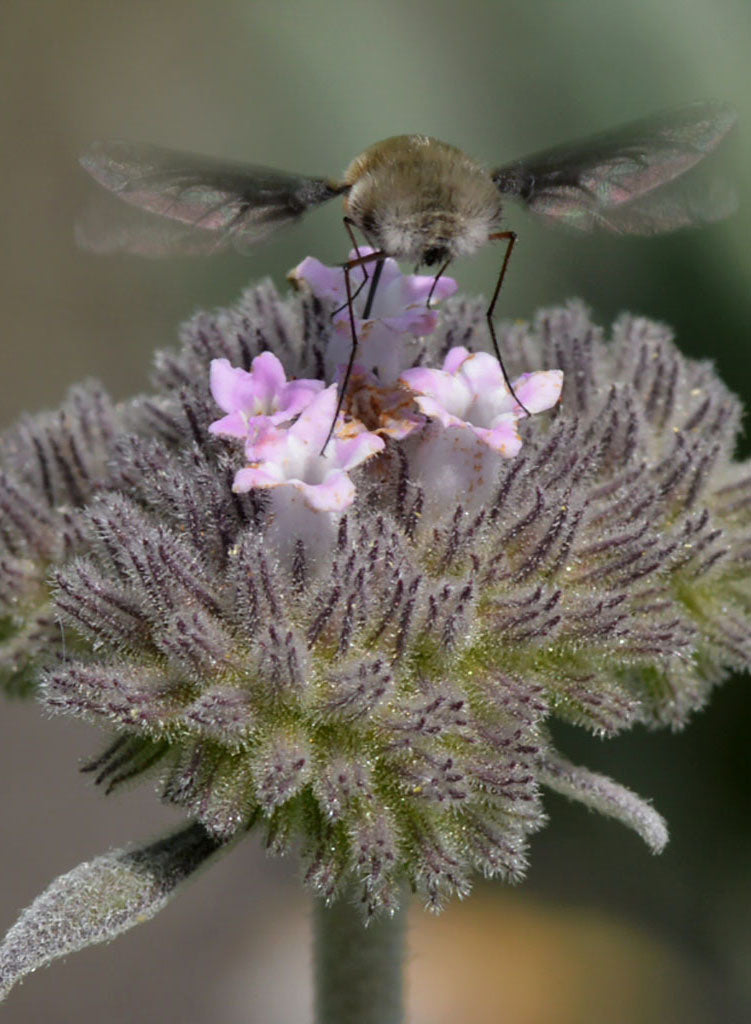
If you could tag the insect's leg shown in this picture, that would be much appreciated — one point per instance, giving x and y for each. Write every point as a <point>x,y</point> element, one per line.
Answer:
<point>373,286</point>
<point>510,238</point>
<point>360,261</point>
<point>349,224</point>
<point>441,271</point>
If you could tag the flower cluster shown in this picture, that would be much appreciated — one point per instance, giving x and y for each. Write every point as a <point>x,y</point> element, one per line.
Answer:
<point>355,645</point>
<point>310,459</point>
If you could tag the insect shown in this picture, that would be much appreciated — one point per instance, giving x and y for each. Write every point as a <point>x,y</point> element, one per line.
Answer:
<point>417,199</point>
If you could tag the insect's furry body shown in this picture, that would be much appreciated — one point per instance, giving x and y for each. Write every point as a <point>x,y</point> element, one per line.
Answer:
<point>421,200</point>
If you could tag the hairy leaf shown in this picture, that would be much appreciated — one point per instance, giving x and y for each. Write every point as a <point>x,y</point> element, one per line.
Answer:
<point>99,899</point>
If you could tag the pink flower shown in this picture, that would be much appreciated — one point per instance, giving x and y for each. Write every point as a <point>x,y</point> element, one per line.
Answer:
<point>291,458</point>
<point>470,392</point>
<point>257,399</point>
<point>399,315</point>
<point>400,300</point>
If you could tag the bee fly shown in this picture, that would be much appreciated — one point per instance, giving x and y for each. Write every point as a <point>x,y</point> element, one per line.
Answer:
<point>417,199</point>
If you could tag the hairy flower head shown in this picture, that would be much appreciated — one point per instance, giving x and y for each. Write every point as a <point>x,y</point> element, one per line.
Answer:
<point>357,649</point>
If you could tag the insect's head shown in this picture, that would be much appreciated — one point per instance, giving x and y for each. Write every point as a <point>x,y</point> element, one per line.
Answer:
<point>426,238</point>
<point>436,255</point>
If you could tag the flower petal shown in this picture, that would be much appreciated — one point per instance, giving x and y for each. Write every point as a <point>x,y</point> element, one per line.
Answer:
<point>540,390</point>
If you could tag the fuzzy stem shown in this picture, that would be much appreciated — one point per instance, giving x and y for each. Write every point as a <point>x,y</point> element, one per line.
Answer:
<point>358,969</point>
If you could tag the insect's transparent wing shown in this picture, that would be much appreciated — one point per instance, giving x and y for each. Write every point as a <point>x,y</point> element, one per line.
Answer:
<point>643,178</point>
<point>181,203</point>
<point>107,225</point>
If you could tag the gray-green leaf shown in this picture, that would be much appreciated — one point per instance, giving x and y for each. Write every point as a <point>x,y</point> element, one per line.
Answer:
<point>608,797</point>
<point>100,899</point>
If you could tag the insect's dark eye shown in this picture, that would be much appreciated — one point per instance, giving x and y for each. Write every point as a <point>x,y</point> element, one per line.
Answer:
<point>368,223</point>
<point>436,254</point>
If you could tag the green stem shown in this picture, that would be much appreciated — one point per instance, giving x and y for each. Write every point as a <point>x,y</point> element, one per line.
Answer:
<point>358,969</point>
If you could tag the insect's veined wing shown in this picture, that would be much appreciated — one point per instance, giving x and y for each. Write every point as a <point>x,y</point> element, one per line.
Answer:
<point>182,203</point>
<point>645,177</point>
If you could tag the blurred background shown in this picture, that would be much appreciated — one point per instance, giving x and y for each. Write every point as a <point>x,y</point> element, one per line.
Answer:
<point>601,931</point>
